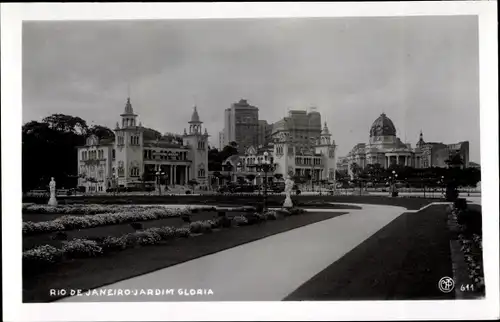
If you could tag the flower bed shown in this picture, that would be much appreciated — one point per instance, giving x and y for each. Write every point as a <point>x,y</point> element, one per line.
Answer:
<point>91,221</point>
<point>467,223</point>
<point>84,248</point>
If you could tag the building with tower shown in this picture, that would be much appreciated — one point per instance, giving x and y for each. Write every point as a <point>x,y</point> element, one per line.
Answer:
<point>315,162</point>
<point>138,155</point>
<point>386,149</point>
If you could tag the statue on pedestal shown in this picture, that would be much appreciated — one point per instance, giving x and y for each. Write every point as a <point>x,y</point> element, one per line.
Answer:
<point>288,190</point>
<point>52,187</point>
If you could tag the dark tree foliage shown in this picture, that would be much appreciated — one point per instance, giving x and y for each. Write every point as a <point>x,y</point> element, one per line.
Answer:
<point>101,132</point>
<point>216,158</point>
<point>49,149</point>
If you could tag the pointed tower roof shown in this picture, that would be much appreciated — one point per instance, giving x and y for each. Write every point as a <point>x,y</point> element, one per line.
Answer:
<point>128,108</point>
<point>325,130</point>
<point>195,118</point>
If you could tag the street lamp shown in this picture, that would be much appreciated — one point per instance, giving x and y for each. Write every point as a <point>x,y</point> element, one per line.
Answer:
<point>266,166</point>
<point>259,181</point>
<point>239,167</point>
<point>159,174</point>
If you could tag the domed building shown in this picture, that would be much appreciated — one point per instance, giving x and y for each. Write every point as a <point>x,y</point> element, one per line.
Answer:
<point>384,148</point>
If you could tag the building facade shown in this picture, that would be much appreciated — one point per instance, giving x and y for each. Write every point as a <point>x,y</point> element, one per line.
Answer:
<point>302,127</point>
<point>241,124</point>
<point>138,155</point>
<point>222,141</point>
<point>386,149</point>
<point>265,130</point>
<point>317,162</point>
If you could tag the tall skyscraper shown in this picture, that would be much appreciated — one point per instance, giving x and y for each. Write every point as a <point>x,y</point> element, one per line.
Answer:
<point>241,124</point>
<point>303,127</point>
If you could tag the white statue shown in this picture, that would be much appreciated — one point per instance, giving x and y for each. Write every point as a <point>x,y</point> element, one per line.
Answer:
<point>52,187</point>
<point>288,190</point>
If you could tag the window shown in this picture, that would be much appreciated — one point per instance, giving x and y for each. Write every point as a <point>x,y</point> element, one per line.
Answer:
<point>201,173</point>
<point>134,172</point>
<point>114,154</point>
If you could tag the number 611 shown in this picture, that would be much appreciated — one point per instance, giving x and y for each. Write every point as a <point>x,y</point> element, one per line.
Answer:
<point>467,288</point>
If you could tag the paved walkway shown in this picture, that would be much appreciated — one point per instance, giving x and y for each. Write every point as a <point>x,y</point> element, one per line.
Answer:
<point>268,269</point>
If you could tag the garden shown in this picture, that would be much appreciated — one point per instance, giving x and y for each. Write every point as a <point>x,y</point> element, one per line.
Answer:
<point>465,222</point>
<point>87,246</point>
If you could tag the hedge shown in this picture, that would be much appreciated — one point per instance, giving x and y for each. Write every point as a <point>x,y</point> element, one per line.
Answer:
<point>90,221</point>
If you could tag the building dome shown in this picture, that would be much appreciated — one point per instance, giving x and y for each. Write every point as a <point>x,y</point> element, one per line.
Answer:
<point>383,126</point>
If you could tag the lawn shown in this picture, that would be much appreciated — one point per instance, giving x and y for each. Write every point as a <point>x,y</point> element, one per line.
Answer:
<point>402,261</point>
<point>95,272</point>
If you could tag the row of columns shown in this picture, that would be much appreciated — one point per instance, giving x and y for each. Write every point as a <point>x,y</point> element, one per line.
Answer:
<point>389,158</point>
<point>318,172</point>
<point>172,175</point>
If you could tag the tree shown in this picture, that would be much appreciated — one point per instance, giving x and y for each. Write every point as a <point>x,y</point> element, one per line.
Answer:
<point>278,176</point>
<point>49,150</point>
<point>355,169</point>
<point>101,132</point>
<point>192,183</point>
<point>67,123</point>
<point>454,161</point>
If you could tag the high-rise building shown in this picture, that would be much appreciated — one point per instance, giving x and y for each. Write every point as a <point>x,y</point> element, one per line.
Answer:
<point>221,143</point>
<point>303,127</point>
<point>241,124</point>
<point>265,130</point>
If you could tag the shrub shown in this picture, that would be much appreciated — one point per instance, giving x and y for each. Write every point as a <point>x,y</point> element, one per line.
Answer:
<point>196,227</point>
<point>206,226</point>
<point>90,221</point>
<point>240,220</point>
<point>253,219</point>
<point>42,255</point>
<point>181,232</point>
<point>271,215</point>
<point>78,248</point>
<point>147,237</point>
<point>114,244</point>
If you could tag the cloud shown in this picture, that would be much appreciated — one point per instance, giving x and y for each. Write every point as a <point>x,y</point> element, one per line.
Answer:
<point>421,71</point>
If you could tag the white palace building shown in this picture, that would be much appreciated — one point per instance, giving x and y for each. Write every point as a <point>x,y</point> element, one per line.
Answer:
<point>138,155</point>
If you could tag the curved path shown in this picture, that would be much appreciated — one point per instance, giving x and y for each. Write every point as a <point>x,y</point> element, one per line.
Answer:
<point>268,269</point>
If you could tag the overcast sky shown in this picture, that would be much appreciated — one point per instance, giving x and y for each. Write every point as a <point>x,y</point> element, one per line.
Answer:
<point>421,71</point>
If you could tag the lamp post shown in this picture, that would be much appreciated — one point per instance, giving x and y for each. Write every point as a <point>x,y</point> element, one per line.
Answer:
<point>442,185</point>
<point>159,174</point>
<point>259,181</point>
<point>394,178</point>
<point>239,167</point>
<point>266,166</point>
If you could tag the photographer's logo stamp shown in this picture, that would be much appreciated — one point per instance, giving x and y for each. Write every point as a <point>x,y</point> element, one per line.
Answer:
<point>446,284</point>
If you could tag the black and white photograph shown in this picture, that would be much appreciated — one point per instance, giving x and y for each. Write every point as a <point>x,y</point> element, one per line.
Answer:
<point>320,159</point>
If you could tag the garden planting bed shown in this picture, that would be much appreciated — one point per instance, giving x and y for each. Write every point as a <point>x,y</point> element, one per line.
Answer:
<point>113,266</point>
<point>465,224</point>
<point>411,203</point>
<point>115,230</point>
